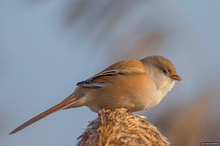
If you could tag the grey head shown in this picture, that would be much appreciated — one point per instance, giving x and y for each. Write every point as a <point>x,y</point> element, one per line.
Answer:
<point>162,71</point>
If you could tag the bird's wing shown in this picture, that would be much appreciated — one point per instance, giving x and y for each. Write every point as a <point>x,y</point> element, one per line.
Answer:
<point>99,80</point>
<point>120,69</point>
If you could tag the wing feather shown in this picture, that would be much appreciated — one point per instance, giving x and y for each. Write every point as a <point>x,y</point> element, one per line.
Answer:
<point>122,68</point>
<point>98,80</point>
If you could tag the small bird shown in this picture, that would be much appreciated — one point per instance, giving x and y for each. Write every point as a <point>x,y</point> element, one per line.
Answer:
<point>132,84</point>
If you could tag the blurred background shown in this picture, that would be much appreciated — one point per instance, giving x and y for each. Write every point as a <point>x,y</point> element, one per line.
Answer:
<point>47,46</point>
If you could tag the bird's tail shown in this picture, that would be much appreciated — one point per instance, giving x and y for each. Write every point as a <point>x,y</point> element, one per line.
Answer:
<point>46,113</point>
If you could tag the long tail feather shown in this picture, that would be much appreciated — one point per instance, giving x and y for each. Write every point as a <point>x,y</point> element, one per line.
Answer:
<point>46,113</point>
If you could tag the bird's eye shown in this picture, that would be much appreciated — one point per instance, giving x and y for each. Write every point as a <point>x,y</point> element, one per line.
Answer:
<point>165,71</point>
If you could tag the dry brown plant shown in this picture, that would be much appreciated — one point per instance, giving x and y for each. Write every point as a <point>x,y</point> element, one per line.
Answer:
<point>119,127</point>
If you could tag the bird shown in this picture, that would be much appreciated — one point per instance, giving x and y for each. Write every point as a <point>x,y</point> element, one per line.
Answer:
<point>131,84</point>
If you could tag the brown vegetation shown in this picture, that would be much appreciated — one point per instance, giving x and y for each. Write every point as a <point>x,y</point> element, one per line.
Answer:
<point>119,127</point>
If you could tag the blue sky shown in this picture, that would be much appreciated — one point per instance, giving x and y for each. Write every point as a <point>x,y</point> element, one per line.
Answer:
<point>40,62</point>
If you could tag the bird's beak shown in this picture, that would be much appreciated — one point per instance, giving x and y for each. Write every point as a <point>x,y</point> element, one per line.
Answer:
<point>176,77</point>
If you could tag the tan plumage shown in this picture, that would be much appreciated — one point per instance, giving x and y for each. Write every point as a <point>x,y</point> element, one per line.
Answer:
<point>133,84</point>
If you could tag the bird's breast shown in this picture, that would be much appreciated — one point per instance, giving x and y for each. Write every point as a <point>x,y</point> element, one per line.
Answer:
<point>135,92</point>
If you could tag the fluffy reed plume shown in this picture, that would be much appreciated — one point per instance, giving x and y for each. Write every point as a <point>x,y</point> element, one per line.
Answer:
<point>118,127</point>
